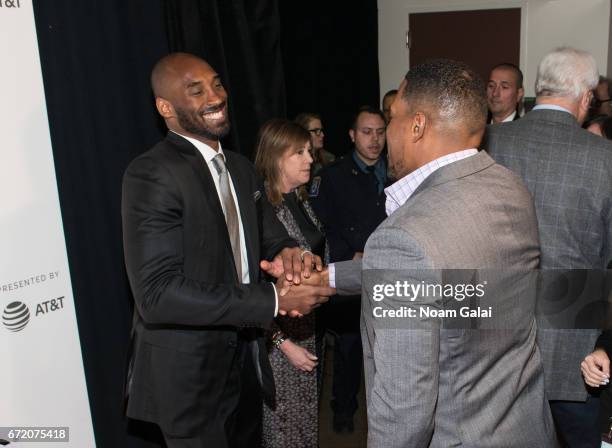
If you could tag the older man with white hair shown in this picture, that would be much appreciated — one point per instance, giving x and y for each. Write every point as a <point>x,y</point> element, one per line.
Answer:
<point>569,172</point>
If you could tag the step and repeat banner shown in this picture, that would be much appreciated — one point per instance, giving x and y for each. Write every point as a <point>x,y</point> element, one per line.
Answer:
<point>43,395</point>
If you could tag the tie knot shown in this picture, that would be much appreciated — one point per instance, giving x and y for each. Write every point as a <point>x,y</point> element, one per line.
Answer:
<point>219,163</point>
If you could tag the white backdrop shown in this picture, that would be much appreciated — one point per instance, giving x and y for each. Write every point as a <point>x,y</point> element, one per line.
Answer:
<point>42,381</point>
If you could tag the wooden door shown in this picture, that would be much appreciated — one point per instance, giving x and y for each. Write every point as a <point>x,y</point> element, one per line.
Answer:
<point>481,38</point>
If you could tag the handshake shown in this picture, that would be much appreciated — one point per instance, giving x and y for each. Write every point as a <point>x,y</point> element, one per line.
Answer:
<point>302,284</point>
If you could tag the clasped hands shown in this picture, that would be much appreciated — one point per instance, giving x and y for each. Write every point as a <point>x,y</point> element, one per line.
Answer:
<point>302,283</point>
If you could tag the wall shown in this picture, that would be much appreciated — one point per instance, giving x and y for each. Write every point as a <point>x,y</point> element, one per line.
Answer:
<point>545,24</point>
<point>610,47</point>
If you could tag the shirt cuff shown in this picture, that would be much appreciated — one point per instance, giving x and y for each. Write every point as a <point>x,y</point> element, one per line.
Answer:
<point>331,270</point>
<point>275,300</point>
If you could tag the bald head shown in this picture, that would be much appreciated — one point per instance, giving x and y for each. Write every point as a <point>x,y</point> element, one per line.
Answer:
<point>190,97</point>
<point>171,69</point>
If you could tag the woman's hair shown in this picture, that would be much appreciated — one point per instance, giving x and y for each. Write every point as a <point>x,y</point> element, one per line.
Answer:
<point>276,137</point>
<point>604,122</point>
<point>305,118</point>
<point>606,128</point>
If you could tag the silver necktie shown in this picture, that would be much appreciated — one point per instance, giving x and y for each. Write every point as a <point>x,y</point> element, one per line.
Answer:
<point>230,211</point>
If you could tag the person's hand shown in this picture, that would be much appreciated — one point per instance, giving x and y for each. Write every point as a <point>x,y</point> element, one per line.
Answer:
<point>358,256</point>
<point>298,356</point>
<point>294,263</point>
<point>282,285</point>
<point>596,368</point>
<point>316,278</point>
<point>302,299</point>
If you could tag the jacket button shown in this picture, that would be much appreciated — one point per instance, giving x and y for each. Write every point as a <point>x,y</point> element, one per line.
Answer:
<point>351,229</point>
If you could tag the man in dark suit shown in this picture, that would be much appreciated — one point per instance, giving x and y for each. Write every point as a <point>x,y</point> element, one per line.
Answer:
<point>194,226</point>
<point>349,199</point>
<point>504,93</point>
<point>568,170</point>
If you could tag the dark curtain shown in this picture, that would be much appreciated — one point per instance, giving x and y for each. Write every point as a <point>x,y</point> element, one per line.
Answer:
<point>96,58</point>
<point>330,56</point>
<point>241,41</point>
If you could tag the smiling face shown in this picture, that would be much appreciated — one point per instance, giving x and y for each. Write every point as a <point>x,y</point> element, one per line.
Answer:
<point>193,101</point>
<point>294,167</point>
<point>398,141</point>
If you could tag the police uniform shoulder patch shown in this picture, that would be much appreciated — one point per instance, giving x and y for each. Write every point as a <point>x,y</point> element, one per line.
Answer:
<point>314,187</point>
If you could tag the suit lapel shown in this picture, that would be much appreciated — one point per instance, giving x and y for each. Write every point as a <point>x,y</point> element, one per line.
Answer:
<point>195,159</point>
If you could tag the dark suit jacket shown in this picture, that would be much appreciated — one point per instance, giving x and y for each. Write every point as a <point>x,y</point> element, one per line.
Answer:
<point>190,304</point>
<point>350,207</point>
<point>569,173</point>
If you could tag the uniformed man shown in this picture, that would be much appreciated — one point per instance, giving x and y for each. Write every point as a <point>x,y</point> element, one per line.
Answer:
<point>349,198</point>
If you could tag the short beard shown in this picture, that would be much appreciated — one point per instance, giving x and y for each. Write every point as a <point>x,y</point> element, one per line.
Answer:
<point>189,124</point>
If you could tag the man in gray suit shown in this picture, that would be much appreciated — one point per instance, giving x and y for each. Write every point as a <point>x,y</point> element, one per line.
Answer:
<point>434,377</point>
<point>569,172</point>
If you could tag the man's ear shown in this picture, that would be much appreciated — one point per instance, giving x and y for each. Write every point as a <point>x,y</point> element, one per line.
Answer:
<point>585,101</point>
<point>164,107</point>
<point>521,93</point>
<point>584,105</point>
<point>419,123</point>
<point>352,135</point>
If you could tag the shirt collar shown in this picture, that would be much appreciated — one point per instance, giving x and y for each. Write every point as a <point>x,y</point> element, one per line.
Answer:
<point>507,119</point>
<point>399,192</point>
<point>550,107</point>
<point>207,151</point>
<point>362,165</point>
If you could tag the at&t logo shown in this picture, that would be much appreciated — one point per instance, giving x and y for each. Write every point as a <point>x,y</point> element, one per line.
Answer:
<point>16,316</point>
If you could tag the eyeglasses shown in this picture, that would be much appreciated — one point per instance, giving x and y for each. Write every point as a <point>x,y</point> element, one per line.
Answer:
<point>316,131</point>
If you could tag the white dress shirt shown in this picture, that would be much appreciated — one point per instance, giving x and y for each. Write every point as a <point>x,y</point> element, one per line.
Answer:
<point>209,153</point>
<point>550,107</point>
<point>507,119</point>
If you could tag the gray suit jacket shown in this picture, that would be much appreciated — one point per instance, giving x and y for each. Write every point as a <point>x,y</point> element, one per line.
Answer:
<point>569,173</point>
<point>444,382</point>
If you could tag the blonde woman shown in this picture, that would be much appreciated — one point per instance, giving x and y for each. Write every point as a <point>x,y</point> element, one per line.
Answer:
<point>284,158</point>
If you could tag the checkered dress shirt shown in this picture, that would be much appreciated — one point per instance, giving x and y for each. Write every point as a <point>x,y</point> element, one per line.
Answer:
<point>400,191</point>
